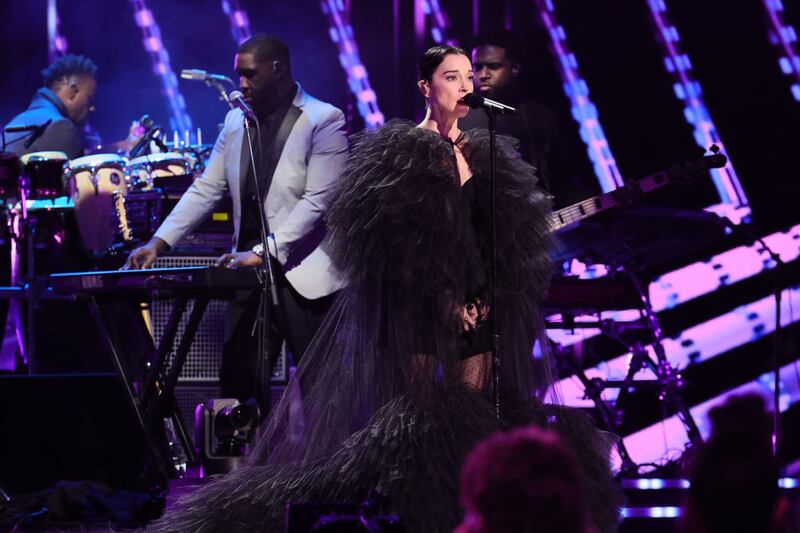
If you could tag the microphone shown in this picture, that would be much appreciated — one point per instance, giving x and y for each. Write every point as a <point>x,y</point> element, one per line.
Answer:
<point>476,101</point>
<point>29,127</point>
<point>202,75</point>
<point>151,129</point>
<point>237,99</point>
<point>37,132</point>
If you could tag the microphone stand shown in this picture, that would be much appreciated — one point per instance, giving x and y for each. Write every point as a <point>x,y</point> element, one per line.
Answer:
<point>496,353</point>
<point>777,288</point>
<point>223,94</point>
<point>269,290</point>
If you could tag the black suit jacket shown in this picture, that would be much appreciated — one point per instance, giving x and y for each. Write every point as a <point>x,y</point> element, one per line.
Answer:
<point>61,135</point>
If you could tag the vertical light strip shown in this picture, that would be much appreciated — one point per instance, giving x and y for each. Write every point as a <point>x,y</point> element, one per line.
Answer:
<point>440,26</point>
<point>583,110</point>
<point>341,33</point>
<point>56,42</point>
<point>419,25</point>
<point>784,37</point>
<point>154,46</point>
<point>396,54</point>
<point>240,24</point>
<point>688,90</point>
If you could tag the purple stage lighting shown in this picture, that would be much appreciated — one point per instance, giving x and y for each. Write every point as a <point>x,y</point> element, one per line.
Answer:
<point>341,33</point>
<point>583,110</point>
<point>695,345</point>
<point>659,442</point>
<point>57,43</point>
<point>438,22</point>
<point>688,90</point>
<point>151,38</point>
<point>698,279</point>
<point>240,24</point>
<point>784,37</point>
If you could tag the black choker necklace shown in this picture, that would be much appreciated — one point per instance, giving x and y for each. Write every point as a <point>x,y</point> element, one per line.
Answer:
<point>458,139</point>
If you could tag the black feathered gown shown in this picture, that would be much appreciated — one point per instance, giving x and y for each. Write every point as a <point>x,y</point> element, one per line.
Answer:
<point>383,407</point>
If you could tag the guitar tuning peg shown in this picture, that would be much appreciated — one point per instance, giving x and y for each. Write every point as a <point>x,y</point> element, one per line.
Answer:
<point>714,148</point>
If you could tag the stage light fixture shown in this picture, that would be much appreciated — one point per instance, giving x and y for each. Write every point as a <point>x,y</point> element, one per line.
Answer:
<point>224,427</point>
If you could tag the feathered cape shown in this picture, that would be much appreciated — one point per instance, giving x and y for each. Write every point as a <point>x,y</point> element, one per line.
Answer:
<point>382,403</point>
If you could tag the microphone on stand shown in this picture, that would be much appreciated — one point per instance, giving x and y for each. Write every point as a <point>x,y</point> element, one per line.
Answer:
<point>201,75</point>
<point>150,134</point>
<point>476,101</point>
<point>212,80</point>
<point>237,99</point>
<point>29,127</point>
<point>37,132</point>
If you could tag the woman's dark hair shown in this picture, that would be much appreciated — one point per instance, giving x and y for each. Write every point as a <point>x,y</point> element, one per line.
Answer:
<point>433,57</point>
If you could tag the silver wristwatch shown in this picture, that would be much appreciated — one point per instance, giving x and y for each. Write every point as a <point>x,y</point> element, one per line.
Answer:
<point>258,249</point>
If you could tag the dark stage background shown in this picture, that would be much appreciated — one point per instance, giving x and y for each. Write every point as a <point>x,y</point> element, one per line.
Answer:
<point>748,96</point>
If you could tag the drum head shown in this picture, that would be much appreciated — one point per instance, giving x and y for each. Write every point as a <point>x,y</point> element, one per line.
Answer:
<point>157,158</point>
<point>150,170</point>
<point>44,156</point>
<point>96,160</point>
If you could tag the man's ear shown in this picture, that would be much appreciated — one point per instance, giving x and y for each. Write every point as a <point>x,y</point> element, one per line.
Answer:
<point>72,89</point>
<point>424,88</point>
<point>515,69</point>
<point>279,69</point>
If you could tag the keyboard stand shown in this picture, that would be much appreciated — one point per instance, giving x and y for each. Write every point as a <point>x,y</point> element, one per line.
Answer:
<point>155,403</point>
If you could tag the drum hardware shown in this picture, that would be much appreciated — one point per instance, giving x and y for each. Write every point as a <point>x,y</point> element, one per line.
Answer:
<point>634,241</point>
<point>39,179</point>
<point>93,177</point>
<point>668,381</point>
<point>122,216</point>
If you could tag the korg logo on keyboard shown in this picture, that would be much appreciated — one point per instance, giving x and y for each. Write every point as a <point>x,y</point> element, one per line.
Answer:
<point>91,282</point>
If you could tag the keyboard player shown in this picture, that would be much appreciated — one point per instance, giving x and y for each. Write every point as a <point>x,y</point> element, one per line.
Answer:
<point>308,139</point>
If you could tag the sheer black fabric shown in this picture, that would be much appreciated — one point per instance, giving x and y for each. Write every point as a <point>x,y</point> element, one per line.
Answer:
<point>383,406</point>
<point>401,233</point>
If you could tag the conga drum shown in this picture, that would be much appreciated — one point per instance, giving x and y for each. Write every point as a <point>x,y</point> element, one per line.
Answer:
<point>98,184</point>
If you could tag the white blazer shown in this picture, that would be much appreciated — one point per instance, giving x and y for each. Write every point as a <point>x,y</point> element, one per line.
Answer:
<point>311,161</point>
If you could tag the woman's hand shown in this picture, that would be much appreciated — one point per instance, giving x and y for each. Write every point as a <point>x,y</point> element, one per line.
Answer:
<point>473,314</point>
